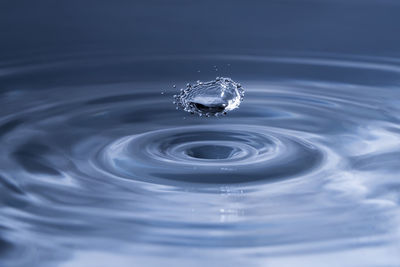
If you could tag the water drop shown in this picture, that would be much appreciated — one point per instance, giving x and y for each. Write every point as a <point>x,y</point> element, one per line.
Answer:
<point>210,98</point>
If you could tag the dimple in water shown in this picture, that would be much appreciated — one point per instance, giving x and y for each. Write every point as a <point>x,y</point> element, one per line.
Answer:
<point>211,98</point>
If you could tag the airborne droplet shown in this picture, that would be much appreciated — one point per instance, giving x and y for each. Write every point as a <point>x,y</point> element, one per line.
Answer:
<point>210,98</point>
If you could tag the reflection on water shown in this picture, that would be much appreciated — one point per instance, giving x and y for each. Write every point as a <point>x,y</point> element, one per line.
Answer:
<point>305,172</point>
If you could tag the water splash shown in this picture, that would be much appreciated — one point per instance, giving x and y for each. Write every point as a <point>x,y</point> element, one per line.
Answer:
<point>211,98</point>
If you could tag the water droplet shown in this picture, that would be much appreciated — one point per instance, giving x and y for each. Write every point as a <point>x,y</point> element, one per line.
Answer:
<point>210,98</point>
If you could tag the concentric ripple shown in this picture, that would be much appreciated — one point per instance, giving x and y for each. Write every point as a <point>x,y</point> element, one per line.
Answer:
<point>104,164</point>
<point>225,154</point>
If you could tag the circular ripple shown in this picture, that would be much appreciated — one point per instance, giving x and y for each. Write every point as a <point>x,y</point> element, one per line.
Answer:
<point>198,154</point>
<point>90,165</point>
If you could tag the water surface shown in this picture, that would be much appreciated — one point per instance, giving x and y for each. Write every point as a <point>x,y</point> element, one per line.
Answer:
<point>305,171</point>
<point>98,168</point>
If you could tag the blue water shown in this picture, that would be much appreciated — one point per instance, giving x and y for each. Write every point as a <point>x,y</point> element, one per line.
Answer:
<point>98,168</point>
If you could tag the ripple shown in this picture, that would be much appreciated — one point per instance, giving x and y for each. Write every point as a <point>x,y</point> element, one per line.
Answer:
<point>309,159</point>
<point>225,154</point>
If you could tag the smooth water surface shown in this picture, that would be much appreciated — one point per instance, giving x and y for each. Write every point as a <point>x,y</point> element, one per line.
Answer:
<point>98,168</point>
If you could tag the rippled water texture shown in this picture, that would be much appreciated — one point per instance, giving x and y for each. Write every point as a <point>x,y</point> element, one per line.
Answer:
<point>104,167</point>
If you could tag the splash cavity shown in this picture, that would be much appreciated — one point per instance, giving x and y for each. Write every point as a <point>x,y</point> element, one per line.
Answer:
<point>210,98</point>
